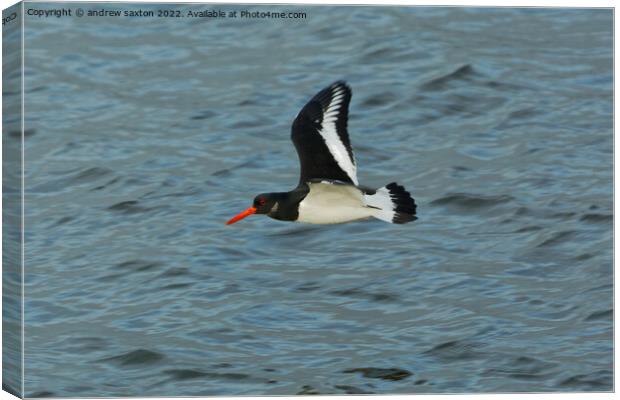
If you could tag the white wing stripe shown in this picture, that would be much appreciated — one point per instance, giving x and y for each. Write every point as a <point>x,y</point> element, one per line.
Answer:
<point>332,140</point>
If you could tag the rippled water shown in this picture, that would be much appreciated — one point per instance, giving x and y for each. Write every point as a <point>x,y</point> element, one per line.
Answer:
<point>145,136</point>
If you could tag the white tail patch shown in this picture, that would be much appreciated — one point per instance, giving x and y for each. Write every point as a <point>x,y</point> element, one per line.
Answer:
<point>392,203</point>
<point>382,201</point>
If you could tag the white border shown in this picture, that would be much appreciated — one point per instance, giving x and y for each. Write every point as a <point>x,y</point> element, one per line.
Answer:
<point>484,3</point>
<point>447,3</point>
<point>23,238</point>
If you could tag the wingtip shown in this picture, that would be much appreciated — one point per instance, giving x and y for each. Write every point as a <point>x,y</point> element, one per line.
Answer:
<point>342,83</point>
<point>340,86</point>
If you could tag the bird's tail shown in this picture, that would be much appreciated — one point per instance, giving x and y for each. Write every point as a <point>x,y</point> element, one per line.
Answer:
<point>393,204</point>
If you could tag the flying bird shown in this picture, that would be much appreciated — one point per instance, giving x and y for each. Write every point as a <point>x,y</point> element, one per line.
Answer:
<point>328,191</point>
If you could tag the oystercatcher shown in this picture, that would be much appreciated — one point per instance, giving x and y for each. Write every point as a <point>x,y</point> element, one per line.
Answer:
<point>328,191</point>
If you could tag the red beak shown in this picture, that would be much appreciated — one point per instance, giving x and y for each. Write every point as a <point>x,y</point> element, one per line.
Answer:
<point>242,215</point>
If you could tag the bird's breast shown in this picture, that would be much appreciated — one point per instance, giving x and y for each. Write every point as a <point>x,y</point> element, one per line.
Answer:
<point>328,203</point>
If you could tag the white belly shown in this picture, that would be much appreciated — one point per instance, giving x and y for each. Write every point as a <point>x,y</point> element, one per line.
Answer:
<point>328,203</point>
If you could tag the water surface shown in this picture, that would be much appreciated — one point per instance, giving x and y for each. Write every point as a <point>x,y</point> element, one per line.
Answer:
<point>146,135</point>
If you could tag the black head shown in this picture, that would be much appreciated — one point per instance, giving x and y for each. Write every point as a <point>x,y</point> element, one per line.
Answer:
<point>263,204</point>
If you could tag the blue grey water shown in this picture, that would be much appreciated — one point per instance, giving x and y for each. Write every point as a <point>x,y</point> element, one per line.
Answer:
<point>144,135</point>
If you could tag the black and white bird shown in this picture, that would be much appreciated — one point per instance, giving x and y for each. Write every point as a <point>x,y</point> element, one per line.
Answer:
<point>328,191</point>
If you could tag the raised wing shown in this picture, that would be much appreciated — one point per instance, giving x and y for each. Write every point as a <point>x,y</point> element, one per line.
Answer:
<point>320,136</point>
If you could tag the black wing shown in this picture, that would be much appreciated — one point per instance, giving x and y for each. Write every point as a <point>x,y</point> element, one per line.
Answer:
<point>320,136</point>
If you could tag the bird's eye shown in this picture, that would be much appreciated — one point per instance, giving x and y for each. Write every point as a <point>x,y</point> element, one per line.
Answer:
<point>261,201</point>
